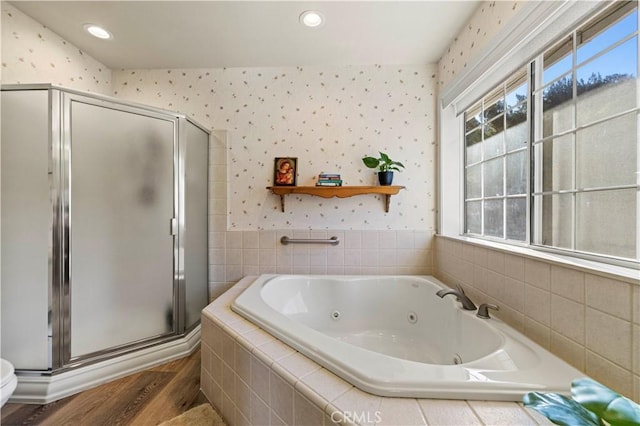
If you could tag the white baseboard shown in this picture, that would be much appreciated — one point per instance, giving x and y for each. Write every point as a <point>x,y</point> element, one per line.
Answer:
<point>45,389</point>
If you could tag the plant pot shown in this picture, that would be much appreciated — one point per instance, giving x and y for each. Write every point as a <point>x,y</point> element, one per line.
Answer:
<point>385,178</point>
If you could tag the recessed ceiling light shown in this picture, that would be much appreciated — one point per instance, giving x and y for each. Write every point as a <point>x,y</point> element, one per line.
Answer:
<point>98,31</point>
<point>312,18</point>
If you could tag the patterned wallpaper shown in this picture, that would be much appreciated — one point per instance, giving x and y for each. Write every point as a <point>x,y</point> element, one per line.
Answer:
<point>31,53</point>
<point>485,23</point>
<point>329,118</point>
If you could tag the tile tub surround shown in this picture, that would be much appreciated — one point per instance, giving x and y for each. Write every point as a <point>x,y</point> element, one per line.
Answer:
<point>590,320</point>
<point>236,254</point>
<point>253,378</point>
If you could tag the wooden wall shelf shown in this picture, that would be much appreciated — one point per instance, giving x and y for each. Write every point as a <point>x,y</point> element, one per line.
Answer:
<point>336,191</point>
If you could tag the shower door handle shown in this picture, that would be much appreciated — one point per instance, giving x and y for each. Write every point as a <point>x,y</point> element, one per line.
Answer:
<point>173,226</point>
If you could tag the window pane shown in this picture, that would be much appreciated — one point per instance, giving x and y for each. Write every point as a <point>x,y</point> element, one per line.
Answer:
<point>493,218</point>
<point>494,127</point>
<point>494,104</point>
<point>494,145</point>
<point>606,38</point>
<point>474,147</point>
<point>517,173</point>
<point>556,224</point>
<point>607,85</point>
<point>557,61</point>
<point>474,182</point>
<point>518,95</point>
<point>556,156</point>
<point>517,129</point>
<point>473,118</point>
<point>606,153</point>
<point>474,217</point>
<point>557,107</point>
<point>517,218</point>
<point>488,124</point>
<point>606,222</point>
<point>493,178</point>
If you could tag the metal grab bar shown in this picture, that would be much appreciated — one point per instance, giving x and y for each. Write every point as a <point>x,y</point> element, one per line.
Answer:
<point>334,241</point>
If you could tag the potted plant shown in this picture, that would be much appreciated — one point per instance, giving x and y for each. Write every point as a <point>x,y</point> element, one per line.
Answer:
<point>386,166</point>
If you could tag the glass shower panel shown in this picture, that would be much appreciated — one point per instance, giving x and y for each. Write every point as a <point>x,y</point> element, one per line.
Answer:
<point>121,242</point>
<point>26,216</point>
<point>196,227</point>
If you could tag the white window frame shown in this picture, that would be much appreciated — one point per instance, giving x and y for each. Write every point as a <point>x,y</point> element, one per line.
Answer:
<point>505,155</point>
<point>537,26</point>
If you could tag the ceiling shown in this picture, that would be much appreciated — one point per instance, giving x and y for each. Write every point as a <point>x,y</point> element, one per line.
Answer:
<point>216,34</point>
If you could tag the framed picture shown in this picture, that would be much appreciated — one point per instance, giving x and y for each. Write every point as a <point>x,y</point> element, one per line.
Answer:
<point>284,171</point>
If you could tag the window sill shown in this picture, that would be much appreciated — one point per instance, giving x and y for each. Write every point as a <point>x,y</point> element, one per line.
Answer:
<point>622,273</point>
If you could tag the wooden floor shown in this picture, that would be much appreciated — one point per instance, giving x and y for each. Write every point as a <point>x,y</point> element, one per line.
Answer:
<point>145,398</point>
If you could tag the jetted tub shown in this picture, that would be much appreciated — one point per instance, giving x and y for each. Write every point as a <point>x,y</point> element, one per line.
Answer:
<point>392,336</point>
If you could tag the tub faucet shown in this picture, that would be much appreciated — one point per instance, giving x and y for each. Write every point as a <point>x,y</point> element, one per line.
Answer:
<point>483,310</point>
<point>467,304</point>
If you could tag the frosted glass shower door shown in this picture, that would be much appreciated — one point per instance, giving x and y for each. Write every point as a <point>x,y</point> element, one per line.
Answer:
<point>121,273</point>
<point>196,218</point>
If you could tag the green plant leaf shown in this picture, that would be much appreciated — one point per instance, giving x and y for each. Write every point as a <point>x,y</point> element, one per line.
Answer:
<point>604,402</point>
<point>370,162</point>
<point>560,409</point>
<point>593,395</point>
<point>384,163</point>
<point>622,412</point>
<point>398,164</point>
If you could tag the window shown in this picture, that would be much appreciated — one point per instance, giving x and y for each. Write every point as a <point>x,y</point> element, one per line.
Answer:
<point>556,145</point>
<point>496,139</point>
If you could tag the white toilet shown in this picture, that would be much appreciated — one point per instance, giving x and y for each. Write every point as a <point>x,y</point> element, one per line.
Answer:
<point>8,381</point>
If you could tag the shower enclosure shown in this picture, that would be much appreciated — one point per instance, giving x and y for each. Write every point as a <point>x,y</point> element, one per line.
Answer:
<point>104,228</point>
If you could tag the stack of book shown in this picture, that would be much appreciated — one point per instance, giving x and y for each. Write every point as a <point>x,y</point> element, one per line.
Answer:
<point>329,179</point>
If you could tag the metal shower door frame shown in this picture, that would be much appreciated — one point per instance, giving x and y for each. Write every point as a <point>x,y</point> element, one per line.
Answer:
<point>61,257</point>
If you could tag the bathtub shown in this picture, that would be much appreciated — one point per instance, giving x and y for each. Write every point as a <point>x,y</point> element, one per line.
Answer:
<point>392,336</point>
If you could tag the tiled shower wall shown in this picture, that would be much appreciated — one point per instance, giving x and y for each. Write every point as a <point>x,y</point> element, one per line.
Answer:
<point>589,320</point>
